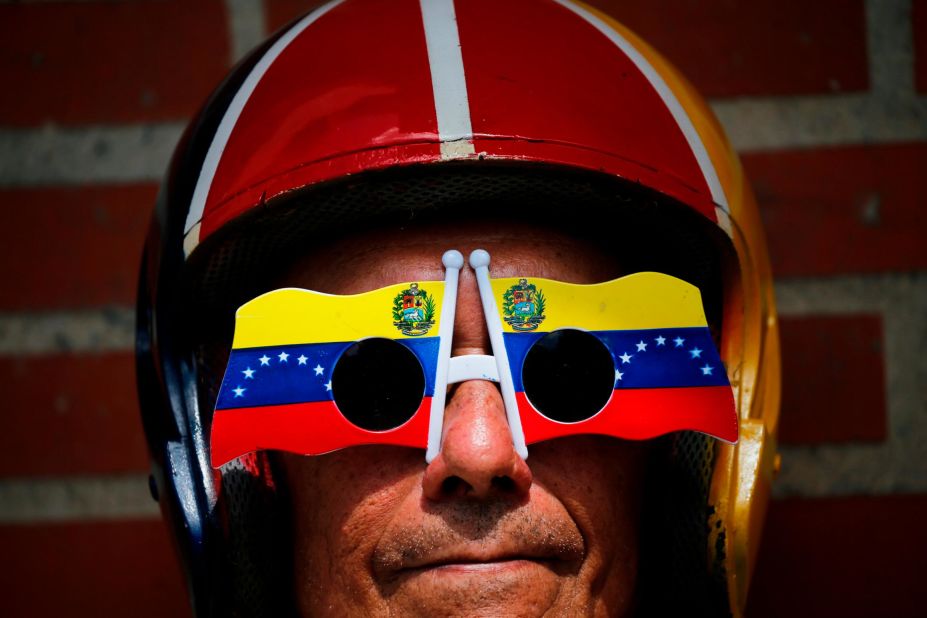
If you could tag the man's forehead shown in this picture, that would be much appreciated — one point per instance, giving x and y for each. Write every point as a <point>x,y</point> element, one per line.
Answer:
<point>364,261</point>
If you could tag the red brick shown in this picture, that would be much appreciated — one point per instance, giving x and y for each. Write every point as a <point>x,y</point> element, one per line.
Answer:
<point>84,62</point>
<point>70,414</point>
<point>763,47</point>
<point>854,209</point>
<point>72,247</point>
<point>728,48</point>
<point>281,12</point>
<point>833,379</point>
<point>124,568</point>
<point>855,557</point>
<point>919,28</point>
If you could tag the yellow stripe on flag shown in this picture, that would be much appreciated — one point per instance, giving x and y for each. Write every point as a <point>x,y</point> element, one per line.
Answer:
<point>640,300</point>
<point>291,316</point>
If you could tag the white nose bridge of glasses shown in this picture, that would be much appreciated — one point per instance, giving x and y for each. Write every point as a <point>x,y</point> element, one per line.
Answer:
<point>471,366</point>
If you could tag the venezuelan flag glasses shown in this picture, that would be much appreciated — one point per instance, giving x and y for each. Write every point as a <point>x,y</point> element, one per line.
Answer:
<point>310,373</point>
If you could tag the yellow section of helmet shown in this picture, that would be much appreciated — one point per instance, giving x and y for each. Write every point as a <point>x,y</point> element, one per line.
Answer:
<point>743,472</point>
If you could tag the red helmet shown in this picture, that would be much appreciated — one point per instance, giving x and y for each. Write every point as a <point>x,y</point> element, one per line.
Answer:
<point>364,110</point>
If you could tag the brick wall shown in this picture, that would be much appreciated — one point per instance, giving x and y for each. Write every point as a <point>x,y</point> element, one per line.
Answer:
<point>826,100</point>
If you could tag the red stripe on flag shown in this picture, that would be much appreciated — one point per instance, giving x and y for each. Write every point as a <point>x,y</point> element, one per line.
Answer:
<point>547,89</point>
<point>325,97</point>
<point>642,413</point>
<point>311,428</point>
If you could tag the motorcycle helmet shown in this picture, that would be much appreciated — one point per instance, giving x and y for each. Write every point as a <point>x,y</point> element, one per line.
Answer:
<point>370,111</point>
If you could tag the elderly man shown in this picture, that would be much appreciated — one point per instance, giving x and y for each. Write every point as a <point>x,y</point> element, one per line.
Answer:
<point>479,530</point>
<point>347,155</point>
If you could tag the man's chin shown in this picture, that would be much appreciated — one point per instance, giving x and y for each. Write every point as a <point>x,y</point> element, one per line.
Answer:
<point>512,587</point>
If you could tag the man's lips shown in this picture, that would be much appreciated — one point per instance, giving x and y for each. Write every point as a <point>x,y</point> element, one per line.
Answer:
<point>464,535</point>
<point>435,547</point>
<point>476,557</point>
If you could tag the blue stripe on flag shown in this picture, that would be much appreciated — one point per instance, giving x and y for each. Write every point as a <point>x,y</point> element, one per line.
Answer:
<point>648,358</point>
<point>287,374</point>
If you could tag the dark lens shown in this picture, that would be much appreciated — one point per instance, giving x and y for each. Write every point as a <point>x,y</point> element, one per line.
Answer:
<point>378,384</point>
<point>568,375</point>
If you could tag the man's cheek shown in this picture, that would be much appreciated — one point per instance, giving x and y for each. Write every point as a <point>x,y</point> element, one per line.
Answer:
<point>359,524</point>
<point>354,509</point>
<point>601,491</point>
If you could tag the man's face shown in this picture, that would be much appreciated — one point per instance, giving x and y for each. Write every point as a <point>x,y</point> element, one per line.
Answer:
<point>478,531</point>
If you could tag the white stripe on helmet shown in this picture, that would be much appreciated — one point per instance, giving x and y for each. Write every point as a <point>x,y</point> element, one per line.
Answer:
<point>669,99</point>
<point>221,138</point>
<point>448,79</point>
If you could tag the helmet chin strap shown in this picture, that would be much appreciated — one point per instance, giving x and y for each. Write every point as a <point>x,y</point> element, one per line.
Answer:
<point>471,366</point>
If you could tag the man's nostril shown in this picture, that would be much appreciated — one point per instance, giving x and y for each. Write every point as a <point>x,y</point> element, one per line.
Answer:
<point>503,484</point>
<point>455,486</point>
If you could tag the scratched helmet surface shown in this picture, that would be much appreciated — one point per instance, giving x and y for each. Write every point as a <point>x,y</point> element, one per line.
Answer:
<point>366,110</point>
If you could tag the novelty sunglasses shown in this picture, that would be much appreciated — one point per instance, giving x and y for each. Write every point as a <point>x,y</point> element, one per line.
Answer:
<point>310,373</point>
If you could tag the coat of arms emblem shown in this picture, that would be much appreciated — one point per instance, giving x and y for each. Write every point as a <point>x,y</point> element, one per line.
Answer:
<point>523,306</point>
<point>413,311</point>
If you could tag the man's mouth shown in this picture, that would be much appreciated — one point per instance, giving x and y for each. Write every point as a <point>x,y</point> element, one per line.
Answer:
<point>478,538</point>
<point>480,569</point>
<point>438,555</point>
<point>476,561</point>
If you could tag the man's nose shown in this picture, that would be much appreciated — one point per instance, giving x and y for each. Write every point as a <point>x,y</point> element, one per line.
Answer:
<point>477,459</point>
